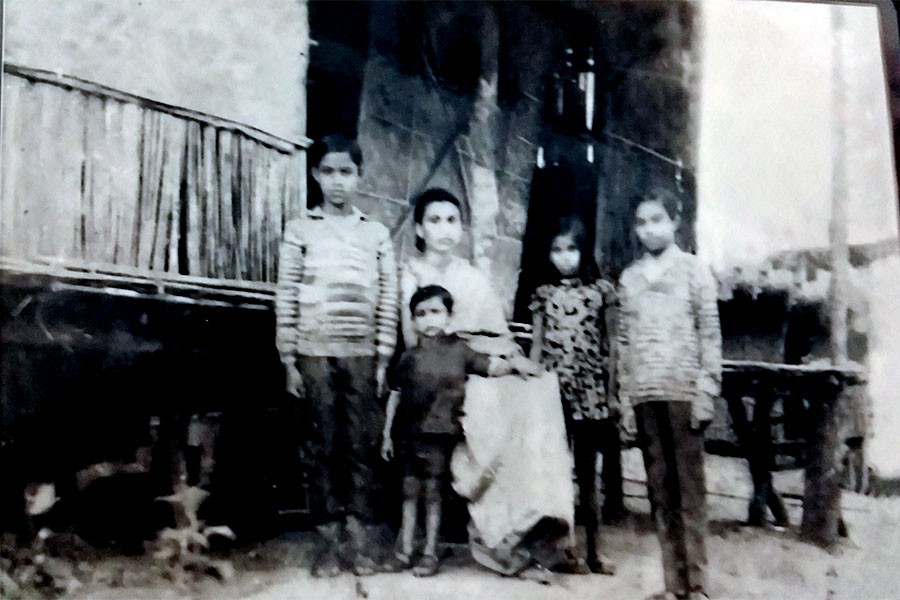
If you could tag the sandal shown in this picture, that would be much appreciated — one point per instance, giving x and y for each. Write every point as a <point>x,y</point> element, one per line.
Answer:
<point>326,565</point>
<point>427,566</point>
<point>398,562</point>
<point>364,566</point>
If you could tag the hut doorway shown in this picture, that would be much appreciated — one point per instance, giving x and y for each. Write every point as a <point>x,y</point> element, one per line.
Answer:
<point>617,122</point>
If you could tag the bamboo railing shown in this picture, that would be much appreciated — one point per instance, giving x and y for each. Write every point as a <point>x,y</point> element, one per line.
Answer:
<point>132,187</point>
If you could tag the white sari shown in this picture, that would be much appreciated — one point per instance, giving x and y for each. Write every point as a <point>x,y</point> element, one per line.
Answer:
<point>514,467</point>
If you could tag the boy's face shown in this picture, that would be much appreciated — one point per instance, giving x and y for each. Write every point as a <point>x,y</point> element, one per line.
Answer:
<point>338,176</point>
<point>431,317</point>
<point>654,227</point>
<point>565,255</point>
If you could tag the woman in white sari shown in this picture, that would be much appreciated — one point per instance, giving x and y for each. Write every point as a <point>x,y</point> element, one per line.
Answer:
<point>514,467</point>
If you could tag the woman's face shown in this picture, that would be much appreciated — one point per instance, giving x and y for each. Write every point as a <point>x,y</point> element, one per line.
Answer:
<point>441,227</point>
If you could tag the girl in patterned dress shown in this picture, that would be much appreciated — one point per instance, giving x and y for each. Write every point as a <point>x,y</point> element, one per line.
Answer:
<point>571,339</point>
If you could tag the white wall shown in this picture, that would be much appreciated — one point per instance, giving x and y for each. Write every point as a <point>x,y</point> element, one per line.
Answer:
<point>765,159</point>
<point>232,58</point>
<point>765,133</point>
<point>884,356</point>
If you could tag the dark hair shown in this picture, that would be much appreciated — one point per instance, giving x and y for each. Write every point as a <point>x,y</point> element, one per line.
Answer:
<point>574,226</point>
<point>430,196</point>
<point>335,143</point>
<point>669,201</point>
<point>427,293</point>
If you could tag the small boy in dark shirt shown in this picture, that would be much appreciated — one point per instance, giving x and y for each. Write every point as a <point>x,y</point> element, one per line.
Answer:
<point>423,415</point>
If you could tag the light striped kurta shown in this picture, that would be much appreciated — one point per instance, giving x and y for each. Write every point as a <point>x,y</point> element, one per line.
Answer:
<point>337,288</point>
<point>669,336</point>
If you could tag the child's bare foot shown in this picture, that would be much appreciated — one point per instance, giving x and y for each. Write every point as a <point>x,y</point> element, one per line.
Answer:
<point>601,566</point>
<point>580,567</point>
<point>572,564</point>
<point>427,567</point>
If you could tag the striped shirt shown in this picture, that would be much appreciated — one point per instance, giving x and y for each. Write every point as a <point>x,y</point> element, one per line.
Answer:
<point>669,337</point>
<point>337,288</point>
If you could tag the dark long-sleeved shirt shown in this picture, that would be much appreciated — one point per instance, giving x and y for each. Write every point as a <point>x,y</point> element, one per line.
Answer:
<point>431,378</point>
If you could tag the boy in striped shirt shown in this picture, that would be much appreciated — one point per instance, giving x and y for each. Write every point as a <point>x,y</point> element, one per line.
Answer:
<point>336,327</point>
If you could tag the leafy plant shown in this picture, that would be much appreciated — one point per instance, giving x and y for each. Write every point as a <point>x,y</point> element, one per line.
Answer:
<point>183,550</point>
<point>39,569</point>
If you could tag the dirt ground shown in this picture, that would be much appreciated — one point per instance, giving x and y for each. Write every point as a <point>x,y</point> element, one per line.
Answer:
<point>743,562</point>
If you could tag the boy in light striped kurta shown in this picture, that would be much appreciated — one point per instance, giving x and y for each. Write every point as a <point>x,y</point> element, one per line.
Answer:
<point>669,372</point>
<point>336,321</point>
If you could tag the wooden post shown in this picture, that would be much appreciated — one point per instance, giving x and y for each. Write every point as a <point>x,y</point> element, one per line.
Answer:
<point>840,255</point>
<point>822,513</point>
<point>822,494</point>
<point>481,177</point>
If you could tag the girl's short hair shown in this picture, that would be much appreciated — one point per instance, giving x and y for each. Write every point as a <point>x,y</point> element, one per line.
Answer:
<point>669,201</point>
<point>427,293</point>
<point>335,143</point>
<point>573,226</point>
<point>430,196</point>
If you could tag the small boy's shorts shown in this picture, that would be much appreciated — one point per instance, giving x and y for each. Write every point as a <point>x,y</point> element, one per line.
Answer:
<point>428,457</point>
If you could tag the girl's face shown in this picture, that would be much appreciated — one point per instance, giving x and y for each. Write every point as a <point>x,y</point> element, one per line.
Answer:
<point>654,227</point>
<point>441,227</point>
<point>565,255</point>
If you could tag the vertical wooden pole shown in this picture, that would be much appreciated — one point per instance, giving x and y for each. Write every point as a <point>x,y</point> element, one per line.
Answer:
<point>840,255</point>
<point>822,506</point>
<point>822,494</point>
<point>481,178</point>
<point>300,157</point>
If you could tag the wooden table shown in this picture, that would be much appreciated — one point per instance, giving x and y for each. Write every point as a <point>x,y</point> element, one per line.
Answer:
<point>820,387</point>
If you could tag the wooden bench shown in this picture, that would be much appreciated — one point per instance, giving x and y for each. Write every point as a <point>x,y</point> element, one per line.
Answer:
<point>820,388</point>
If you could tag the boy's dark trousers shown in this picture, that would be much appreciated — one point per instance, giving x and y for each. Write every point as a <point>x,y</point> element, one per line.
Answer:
<point>345,422</point>
<point>673,458</point>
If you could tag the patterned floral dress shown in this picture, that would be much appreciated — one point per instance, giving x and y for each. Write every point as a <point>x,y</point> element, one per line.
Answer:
<point>575,343</point>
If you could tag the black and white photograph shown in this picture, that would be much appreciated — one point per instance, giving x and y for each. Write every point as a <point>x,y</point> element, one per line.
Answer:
<point>449,299</point>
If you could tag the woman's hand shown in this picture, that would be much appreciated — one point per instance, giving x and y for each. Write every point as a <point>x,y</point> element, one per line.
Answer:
<point>525,367</point>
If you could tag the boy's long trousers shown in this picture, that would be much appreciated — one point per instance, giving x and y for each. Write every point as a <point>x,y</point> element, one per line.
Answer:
<point>673,458</point>
<point>344,429</point>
